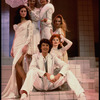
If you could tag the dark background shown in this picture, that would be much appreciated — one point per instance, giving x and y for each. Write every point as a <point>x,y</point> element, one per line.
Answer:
<point>68,9</point>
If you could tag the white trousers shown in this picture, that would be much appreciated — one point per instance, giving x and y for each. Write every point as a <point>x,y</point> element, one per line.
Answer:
<point>33,79</point>
<point>45,33</point>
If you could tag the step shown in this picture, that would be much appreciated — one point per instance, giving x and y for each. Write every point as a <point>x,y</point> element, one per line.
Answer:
<point>60,95</point>
<point>54,95</point>
<point>88,83</point>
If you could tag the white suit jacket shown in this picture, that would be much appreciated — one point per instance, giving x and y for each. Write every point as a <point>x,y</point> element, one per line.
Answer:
<point>46,12</point>
<point>37,63</point>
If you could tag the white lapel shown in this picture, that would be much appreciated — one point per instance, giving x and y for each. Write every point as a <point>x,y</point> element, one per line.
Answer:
<point>45,8</point>
<point>50,63</point>
<point>40,62</point>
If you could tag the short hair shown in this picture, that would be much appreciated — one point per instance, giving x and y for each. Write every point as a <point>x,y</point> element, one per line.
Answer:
<point>44,41</point>
<point>58,36</point>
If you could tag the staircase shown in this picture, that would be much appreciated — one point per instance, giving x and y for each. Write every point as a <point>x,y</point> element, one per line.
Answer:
<point>87,76</point>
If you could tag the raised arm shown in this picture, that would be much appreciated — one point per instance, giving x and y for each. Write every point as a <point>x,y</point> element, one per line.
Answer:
<point>34,16</point>
<point>69,43</point>
<point>29,32</point>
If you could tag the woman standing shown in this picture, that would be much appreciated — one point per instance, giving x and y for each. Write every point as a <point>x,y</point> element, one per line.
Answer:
<point>21,46</point>
<point>34,13</point>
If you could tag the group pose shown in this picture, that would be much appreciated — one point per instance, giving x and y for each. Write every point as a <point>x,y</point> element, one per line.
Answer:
<point>39,39</point>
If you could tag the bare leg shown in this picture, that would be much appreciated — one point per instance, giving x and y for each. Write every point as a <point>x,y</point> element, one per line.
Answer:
<point>19,81</point>
<point>20,73</point>
<point>28,59</point>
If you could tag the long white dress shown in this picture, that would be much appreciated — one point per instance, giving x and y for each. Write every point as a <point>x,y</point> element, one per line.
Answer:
<point>35,20</point>
<point>24,35</point>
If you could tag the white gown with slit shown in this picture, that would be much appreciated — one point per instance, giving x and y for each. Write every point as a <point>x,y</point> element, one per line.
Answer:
<point>23,37</point>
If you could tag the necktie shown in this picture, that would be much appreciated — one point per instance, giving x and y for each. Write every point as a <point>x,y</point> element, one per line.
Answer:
<point>46,66</point>
<point>45,80</point>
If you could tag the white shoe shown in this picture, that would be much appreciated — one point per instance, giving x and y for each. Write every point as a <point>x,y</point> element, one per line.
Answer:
<point>23,96</point>
<point>82,97</point>
<point>11,96</point>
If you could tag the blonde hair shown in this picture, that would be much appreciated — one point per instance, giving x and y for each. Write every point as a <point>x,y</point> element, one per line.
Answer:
<point>63,25</point>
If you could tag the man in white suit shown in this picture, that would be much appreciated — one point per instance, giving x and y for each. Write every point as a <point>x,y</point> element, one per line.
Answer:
<point>46,12</point>
<point>41,69</point>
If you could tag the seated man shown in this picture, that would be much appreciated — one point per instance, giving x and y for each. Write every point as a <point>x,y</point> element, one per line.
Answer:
<point>41,70</point>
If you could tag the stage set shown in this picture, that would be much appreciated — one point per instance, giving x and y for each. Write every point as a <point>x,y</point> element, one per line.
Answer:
<point>82,18</point>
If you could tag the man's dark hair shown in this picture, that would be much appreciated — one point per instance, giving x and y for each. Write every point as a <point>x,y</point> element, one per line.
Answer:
<point>44,41</point>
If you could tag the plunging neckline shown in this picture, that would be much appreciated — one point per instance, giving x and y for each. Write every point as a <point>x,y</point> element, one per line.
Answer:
<point>22,23</point>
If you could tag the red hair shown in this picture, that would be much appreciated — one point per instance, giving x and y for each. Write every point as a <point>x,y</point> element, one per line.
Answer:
<point>58,36</point>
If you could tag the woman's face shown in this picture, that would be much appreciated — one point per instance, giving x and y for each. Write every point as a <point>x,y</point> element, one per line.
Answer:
<point>23,12</point>
<point>57,22</point>
<point>32,3</point>
<point>55,41</point>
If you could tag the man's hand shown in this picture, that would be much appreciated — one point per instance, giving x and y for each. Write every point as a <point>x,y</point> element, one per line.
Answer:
<point>48,77</point>
<point>44,20</point>
<point>57,77</point>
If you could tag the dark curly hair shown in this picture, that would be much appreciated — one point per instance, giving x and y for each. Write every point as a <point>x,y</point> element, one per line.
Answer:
<point>44,41</point>
<point>17,18</point>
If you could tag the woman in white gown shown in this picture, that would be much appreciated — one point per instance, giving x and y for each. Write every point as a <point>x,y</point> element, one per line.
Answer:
<point>21,46</point>
<point>34,13</point>
<point>58,49</point>
<point>60,27</point>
